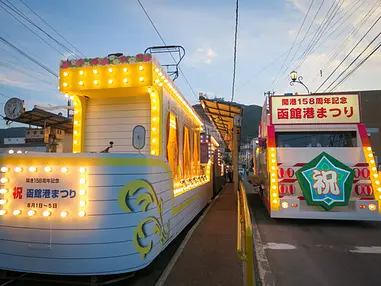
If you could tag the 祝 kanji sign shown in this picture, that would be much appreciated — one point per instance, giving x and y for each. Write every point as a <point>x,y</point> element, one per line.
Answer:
<point>326,182</point>
<point>318,109</point>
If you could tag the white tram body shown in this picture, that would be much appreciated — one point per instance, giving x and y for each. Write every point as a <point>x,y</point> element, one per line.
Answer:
<point>315,160</point>
<point>92,213</point>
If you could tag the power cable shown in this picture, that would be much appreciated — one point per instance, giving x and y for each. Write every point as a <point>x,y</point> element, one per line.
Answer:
<point>235,49</point>
<point>338,66</point>
<point>157,31</point>
<point>29,57</point>
<point>62,37</point>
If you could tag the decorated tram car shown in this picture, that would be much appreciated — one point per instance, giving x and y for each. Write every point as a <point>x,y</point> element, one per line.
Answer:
<point>111,210</point>
<point>315,160</point>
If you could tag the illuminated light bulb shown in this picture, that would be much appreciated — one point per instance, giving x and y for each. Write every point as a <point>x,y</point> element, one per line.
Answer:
<point>32,169</point>
<point>82,170</point>
<point>125,69</point>
<point>141,68</point>
<point>75,141</point>
<point>379,190</point>
<point>368,148</point>
<point>31,213</point>
<point>372,161</point>
<point>154,100</point>
<point>71,97</point>
<point>160,84</point>
<point>274,195</point>
<point>154,129</point>
<point>82,203</point>
<point>374,169</point>
<point>274,187</point>
<point>370,155</point>
<point>149,90</point>
<point>125,80</point>
<point>64,214</point>
<point>81,213</point>
<point>81,72</point>
<point>16,212</point>
<point>75,132</point>
<point>275,201</point>
<point>154,108</point>
<point>11,151</point>
<point>154,140</point>
<point>273,180</point>
<point>141,79</point>
<point>82,181</point>
<point>4,169</point>
<point>156,70</point>
<point>82,192</point>
<point>75,103</point>
<point>157,80</point>
<point>152,94</point>
<point>96,82</point>
<point>3,202</point>
<point>64,84</point>
<point>160,73</point>
<point>3,180</point>
<point>76,122</point>
<point>372,207</point>
<point>46,213</point>
<point>110,70</point>
<point>47,169</point>
<point>377,182</point>
<point>3,191</point>
<point>272,161</point>
<point>375,175</point>
<point>153,119</point>
<point>81,82</point>
<point>166,81</point>
<point>273,155</point>
<point>64,170</point>
<point>18,169</point>
<point>65,74</point>
<point>272,168</point>
<point>285,205</point>
<point>66,95</point>
<point>153,152</point>
<point>3,212</point>
<point>95,71</point>
<point>272,149</point>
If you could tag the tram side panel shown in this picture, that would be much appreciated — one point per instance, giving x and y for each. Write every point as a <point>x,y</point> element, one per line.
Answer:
<point>131,216</point>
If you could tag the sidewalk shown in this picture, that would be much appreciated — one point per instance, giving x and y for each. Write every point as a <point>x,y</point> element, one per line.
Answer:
<point>210,256</point>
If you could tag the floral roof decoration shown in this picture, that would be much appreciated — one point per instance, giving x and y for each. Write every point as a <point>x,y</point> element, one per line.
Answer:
<point>111,60</point>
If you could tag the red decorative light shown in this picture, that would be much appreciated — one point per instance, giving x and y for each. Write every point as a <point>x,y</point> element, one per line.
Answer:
<point>290,172</point>
<point>280,172</point>
<point>291,189</point>
<point>365,173</point>
<point>282,189</point>
<point>365,190</point>
<point>357,172</point>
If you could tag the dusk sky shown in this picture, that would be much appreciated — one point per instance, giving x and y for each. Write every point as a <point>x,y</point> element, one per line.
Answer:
<point>205,29</point>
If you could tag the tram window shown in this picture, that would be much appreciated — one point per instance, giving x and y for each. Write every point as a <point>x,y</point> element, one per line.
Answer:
<point>139,137</point>
<point>316,139</point>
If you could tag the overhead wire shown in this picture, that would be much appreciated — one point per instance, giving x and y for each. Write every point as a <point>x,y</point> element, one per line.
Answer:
<point>297,35</point>
<point>350,52</point>
<point>356,68</point>
<point>158,33</point>
<point>235,50</point>
<point>22,15</point>
<point>62,37</point>
<point>373,40</point>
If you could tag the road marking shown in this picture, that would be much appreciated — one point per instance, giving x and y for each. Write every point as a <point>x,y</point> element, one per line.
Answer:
<point>279,246</point>
<point>174,259</point>
<point>367,249</point>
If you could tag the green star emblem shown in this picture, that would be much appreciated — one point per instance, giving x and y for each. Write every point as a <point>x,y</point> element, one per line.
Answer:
<point>326,182</point>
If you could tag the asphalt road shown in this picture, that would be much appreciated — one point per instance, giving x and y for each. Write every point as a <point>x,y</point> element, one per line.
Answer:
<point>317,252</point>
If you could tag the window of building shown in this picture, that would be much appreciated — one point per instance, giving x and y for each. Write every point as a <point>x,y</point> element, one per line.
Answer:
<point>138,137</point>
<point>173,144</point>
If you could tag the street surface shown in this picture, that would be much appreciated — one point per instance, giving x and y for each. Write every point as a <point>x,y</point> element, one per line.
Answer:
<point>318,253</point>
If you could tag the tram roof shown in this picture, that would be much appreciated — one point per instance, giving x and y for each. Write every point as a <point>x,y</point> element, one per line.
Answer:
<point>221,114</point>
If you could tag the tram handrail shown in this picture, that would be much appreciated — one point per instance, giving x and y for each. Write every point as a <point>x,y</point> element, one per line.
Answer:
<point>245,235</point>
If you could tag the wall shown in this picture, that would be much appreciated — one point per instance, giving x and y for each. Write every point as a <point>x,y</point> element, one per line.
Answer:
<point>113,119</point>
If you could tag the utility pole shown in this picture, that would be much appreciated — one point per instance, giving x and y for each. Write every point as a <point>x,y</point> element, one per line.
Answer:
<point>269,93</point>
<point>237,123</point>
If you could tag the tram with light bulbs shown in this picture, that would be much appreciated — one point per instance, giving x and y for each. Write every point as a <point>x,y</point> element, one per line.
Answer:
<point>314,160</point>
<point>131,184</point>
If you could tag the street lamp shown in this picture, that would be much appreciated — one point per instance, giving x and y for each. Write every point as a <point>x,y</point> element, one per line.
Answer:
<point>295,78</point>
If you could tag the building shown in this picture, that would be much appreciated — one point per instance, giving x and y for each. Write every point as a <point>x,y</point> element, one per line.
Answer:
<point>15,139</point>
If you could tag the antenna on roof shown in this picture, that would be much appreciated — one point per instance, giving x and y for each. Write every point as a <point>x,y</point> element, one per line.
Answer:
<point>172,69</point>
